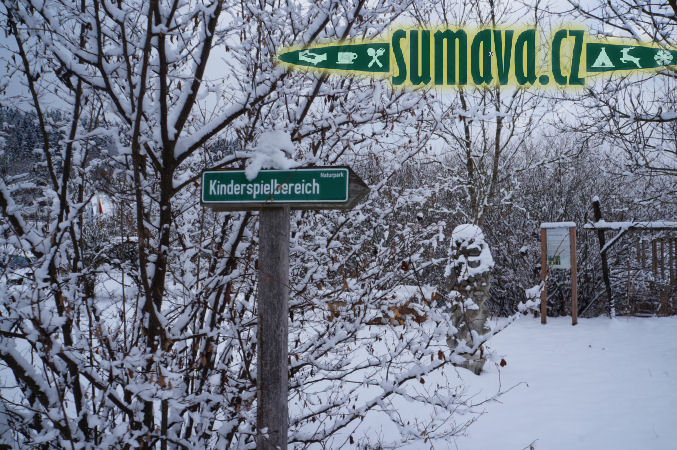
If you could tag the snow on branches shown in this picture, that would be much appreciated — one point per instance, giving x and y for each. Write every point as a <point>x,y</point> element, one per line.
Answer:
<point>137,327</point>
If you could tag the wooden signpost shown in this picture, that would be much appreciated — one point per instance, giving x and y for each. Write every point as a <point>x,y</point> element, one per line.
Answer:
<point>274,193</point>
<point>558,251</point>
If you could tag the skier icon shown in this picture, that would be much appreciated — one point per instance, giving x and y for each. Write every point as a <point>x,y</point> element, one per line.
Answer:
<point>375,54</point>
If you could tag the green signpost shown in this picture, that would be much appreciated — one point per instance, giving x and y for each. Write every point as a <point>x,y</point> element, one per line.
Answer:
<point>273,193</point>
<point>301,188</point>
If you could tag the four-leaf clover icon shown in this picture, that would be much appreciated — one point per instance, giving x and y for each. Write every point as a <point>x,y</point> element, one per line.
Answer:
<point>663,57</point>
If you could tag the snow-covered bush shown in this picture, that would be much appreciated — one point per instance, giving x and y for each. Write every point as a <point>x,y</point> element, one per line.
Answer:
<point>168,358</point>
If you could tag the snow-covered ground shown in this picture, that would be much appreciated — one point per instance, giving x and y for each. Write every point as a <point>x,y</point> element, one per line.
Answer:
<point>603,384</point>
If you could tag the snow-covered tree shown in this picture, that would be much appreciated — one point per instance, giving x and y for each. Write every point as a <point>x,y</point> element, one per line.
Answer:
<point>161,352</point>
<point>479,133</point>
<point>635,114</point>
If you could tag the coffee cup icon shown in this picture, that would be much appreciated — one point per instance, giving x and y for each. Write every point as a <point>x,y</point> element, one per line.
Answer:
<point>346,57</point>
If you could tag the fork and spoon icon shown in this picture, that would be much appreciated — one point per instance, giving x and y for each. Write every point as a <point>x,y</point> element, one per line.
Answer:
<point>375,54</point>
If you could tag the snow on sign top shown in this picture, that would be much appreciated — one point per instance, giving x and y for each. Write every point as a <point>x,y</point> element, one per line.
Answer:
<point>272,151</point>
<point>558,225</point>
<point>485,57</point>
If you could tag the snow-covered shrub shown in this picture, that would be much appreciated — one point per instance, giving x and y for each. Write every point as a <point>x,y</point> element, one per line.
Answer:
<point>169,359</point>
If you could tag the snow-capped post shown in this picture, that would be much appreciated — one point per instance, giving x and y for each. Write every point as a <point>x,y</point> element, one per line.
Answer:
<point>272,185</point>
<point>555,238</point>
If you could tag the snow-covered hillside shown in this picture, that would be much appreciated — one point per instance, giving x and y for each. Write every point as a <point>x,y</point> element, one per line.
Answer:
<point>603,384</point>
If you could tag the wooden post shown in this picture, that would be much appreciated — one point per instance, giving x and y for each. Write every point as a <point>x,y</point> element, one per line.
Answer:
<point>605,267</point>
<point>628,283</point>
<point>673,264</point>
<point>654,259</point>
<point>544,265</point>
<point>273,313</point>
<point>639,250</point>
<point>662,258</point>
<point>574,284</point>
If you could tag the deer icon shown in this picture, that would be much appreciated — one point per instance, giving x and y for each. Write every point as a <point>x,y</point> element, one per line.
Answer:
<point>626,58</point>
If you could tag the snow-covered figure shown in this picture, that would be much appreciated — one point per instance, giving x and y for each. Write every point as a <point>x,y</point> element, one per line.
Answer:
<point>470,262</point>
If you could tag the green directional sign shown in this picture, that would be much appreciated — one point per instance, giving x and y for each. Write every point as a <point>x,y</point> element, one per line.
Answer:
<point>359,57</point>
<point>602,57</point>
<point>435,56</point>
<point>301,188</point>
